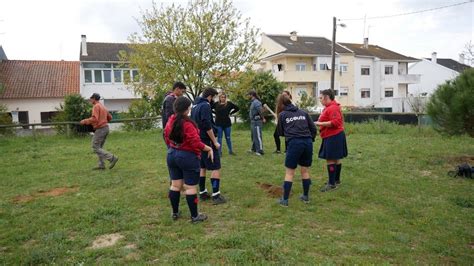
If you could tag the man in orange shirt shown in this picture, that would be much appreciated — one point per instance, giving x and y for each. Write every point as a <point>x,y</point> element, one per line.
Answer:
<point>99,121</point>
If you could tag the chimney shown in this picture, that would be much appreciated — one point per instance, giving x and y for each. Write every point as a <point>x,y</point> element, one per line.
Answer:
<point>461,58</point>
<point>366,43</point>
<point>434,58</point>
<point>293,36</point>
<point>84,45</point>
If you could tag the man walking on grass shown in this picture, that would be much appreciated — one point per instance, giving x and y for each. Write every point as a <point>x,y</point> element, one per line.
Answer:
<point>100,122</point>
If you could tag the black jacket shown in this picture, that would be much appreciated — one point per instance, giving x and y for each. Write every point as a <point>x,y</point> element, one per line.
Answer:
<point>223,113</point>
<point>202,115</point>
<point>295,123</point>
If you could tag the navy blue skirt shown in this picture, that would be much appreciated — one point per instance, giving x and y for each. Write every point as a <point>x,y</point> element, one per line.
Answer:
<point>334,147</point>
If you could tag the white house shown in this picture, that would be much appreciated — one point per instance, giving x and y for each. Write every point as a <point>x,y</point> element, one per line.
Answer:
<point>381,77</point>
<point>435,71</point>
<point>32,90</point>
<point>101,71</point>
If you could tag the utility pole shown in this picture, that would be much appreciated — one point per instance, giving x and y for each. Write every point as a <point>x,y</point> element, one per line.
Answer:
<point>333,52</point>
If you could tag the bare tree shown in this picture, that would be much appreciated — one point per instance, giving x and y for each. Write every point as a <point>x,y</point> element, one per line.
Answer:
<point>469,53</point>
<point>417,103</point>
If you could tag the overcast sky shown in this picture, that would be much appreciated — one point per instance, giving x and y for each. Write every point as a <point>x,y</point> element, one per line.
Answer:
<point>51,29</point>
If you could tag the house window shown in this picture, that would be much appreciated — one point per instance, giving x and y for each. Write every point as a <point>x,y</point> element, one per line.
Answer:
<point>365,93</point>
<point>135,76</point>
<point>47,117</point>
<point>344,91</point>
<point>280,67</point>
<point>117,76</point>
<point>300,67</point>
<point>323,67</point>
<point>88,76</point>
<point>388,70</point>
<point>98,76</point>
<point>107,76</point>
<point>315,67</point>
<point>343,67</point>
<point>388,92</point>
<point>365,71</point>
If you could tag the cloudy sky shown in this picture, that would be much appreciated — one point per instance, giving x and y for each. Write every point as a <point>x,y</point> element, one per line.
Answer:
<point>51,29</point>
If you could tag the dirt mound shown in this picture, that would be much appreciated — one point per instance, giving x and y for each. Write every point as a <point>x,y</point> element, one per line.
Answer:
<point>104,241</point>
<point>469,159</point>
<point>55,192</point>
<point>272,190</point>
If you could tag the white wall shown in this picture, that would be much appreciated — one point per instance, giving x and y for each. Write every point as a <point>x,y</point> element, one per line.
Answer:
<point>33,106</point>
<point>432,75</point>
<point>363,81</point>
<point>118,105</point>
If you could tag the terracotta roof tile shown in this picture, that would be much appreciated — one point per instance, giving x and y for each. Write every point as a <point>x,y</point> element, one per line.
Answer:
<point>38,79</point>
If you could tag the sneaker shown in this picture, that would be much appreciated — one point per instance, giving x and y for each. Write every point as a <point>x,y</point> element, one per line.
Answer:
<point>175,216</point>
<point>305,199</point>
<point>200,218</point>
<point>113,162</point>
<point>338,182</point>
<point>259,153</point>
<point>219,200</point>
<point>232,153</point>
<point>277,152</point>
<point>204,196</point>
<point>328,187</point>
<point>283,202</point>
<point>99,168</point>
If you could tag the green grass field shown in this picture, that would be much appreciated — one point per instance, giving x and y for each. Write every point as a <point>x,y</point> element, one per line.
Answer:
<point>395,205</point>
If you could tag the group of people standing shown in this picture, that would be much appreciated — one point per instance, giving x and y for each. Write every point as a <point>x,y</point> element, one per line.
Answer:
<point>194,139</point>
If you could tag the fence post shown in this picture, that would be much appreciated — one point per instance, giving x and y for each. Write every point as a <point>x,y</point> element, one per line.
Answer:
<point>33,127</point>
<point>68,130</point>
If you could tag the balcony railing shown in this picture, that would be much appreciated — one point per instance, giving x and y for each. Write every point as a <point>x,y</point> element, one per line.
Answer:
<point>409,78</point>
<point>301,76</point>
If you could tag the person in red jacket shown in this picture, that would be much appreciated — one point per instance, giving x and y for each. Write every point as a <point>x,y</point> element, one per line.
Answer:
<point>333,146</point>
<point>183,159</point>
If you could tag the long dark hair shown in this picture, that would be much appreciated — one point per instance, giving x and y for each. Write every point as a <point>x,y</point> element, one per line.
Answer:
<point>283,100</point>
<point>180,106</point>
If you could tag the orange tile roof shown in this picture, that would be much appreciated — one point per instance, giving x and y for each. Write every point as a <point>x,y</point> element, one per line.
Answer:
<point>38,79</point>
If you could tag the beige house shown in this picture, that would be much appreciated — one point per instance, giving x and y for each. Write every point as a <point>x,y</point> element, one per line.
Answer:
<point>366,75</point>
<point>304,64</point>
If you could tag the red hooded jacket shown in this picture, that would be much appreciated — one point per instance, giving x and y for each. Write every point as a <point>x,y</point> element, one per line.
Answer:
<point>191,140</point>
<point>332,113</point>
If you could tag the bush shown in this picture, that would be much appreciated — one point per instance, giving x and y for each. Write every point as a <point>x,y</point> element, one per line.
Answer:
<point>264,83</point>
<point>5,119</point>
<point>140,109</point>
<point>306,102</point>
<point>452,105</point>
<point>74,109</point>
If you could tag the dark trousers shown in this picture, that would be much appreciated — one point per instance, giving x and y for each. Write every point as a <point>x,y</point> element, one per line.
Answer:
<point>276,136</point>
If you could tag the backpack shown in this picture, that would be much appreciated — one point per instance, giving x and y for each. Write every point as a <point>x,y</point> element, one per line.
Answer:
<point>463,170</point>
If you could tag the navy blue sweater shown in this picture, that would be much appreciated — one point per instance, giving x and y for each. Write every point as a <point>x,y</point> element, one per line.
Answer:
<point>202,115</point>
<point>295,123</point>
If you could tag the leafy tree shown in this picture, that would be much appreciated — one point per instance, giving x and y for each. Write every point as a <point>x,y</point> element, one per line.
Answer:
<point>264,83</point>
<point>5,119</point>
<point>306,102</point>
<point>452,105</point>
<point>201,44</point>
<point>417,104</point>
<point>141,108</point>
<point>74,109</point>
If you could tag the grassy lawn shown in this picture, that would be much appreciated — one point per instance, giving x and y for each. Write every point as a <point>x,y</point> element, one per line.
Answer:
<point>395,205</point>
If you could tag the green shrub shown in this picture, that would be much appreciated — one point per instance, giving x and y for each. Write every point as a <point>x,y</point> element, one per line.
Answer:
<point>452,105</point>
<point>5,119</point>
<point>140,109</point>
<point>266,86</point>
<point>74,109</point>
<point>306,102</point>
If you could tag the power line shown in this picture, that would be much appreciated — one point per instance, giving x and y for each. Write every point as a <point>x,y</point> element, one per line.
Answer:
<point>409,13</point>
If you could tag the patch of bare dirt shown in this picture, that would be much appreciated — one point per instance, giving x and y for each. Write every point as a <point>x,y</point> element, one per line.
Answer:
<point>105,241</point>
<point>425,173</point>
<point>272,190</point>
<point>471,245</point>
<point>130,246</point>
<point>469,159</point>
<point>55,192</point>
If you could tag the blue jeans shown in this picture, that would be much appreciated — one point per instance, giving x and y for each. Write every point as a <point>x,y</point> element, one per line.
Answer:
<point>226,131</point>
